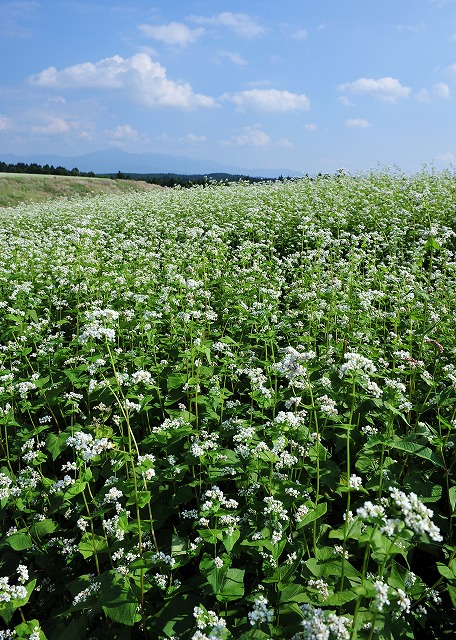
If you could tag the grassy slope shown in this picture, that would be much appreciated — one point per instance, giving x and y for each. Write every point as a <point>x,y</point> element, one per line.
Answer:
<point>22,187</point>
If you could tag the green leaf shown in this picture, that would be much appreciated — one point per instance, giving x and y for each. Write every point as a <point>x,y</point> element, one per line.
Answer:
<point>124,613</point>
<point>229,541</point>
<point>233,587</point>
<point>55,444</point>
<point>313,515</point>
<point>26,629</point>
<point>432,244</point>
<point>7,609</point>
<point>210,535</point>
<point>91,544</point>
<point>175,380</point>
<point>179,546</point>
<point>445,571</point>
<point>33,315</point>
<point>43,528</point>
<point>340,598</point>
<point>19,541</point>
<point>293,593</point>
<point>452,592</point>
<point>452,497</point>
<point>143,498</point>
<point>412,448</point>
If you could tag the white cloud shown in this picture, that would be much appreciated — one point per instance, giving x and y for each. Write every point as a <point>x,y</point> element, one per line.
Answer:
<point>141,77</point>
<point>14,14</point>
<point>310,126</point>
<point>55,126</point>
<point>191,137</point>
<point>234,57</point>
<point>442,3</point>
<point>446,157</point>
<point>414,28</point>
<point>442,90</point>
<point>423,95</point>
<point>357,123</point>
<point>5,124</point>
<point>173,34</point>
<point>251,137</point>
<point>387,89</point>
<point>346,102</point>
<point>124,132</point>
<point>300,34</point>
<point>284,142</point>
<point>241,23</point>
<point>269,100</point>
<point>451,69</point>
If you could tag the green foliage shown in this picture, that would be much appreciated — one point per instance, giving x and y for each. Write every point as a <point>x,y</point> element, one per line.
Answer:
<point>230,412</point>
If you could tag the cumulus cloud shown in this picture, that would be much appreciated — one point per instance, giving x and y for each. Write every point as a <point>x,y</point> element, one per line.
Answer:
<point>241,23</point>
<point>357,123</point>
<point>310,126</point>
<point>439,90</point>
<point>268,100</point>
<point>173,34</point>
<point>250,137</point>
<point>55,126</point>
<point>125,132</point>
<point>387,89</point>
<point>141,77</point>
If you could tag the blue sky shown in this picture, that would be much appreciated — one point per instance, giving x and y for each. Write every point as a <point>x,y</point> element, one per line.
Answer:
<point>310,86</point>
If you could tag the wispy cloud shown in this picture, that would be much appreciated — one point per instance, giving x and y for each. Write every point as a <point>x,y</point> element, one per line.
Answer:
<point>172,34</point>
<point>439,4</point>
<point>446,157</point>
<point>15,15</point>
<point>139,76</point>
<point>233,57</point>
<point>5,123</point>
<point>414,28</point>
<point>192,137</point>
<point>284,142</point>
<point>268,100</point>
<point>357,123</point>
<point>240,23</point>
<point>250,137</point>
<point>300,34</point>
<point>387,89</point>
<point>442,90</point>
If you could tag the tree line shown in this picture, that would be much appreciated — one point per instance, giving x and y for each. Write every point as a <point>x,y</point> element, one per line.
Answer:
<point>33,167</point>
<point>162,179</point>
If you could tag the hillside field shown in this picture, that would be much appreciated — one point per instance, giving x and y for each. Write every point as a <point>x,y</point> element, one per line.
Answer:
<point>230,412</point>
<point>23,187</point>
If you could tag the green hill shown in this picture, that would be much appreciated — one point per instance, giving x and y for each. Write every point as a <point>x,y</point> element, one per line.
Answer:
<point>22,187</point>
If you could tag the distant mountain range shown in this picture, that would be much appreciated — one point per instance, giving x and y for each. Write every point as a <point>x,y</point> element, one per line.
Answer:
<point>114,160</point>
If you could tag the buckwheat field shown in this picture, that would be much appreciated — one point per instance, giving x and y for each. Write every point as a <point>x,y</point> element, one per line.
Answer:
<point>230,412</point>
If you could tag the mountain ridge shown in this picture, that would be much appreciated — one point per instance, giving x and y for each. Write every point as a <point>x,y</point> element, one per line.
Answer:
<point>114,160</point>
